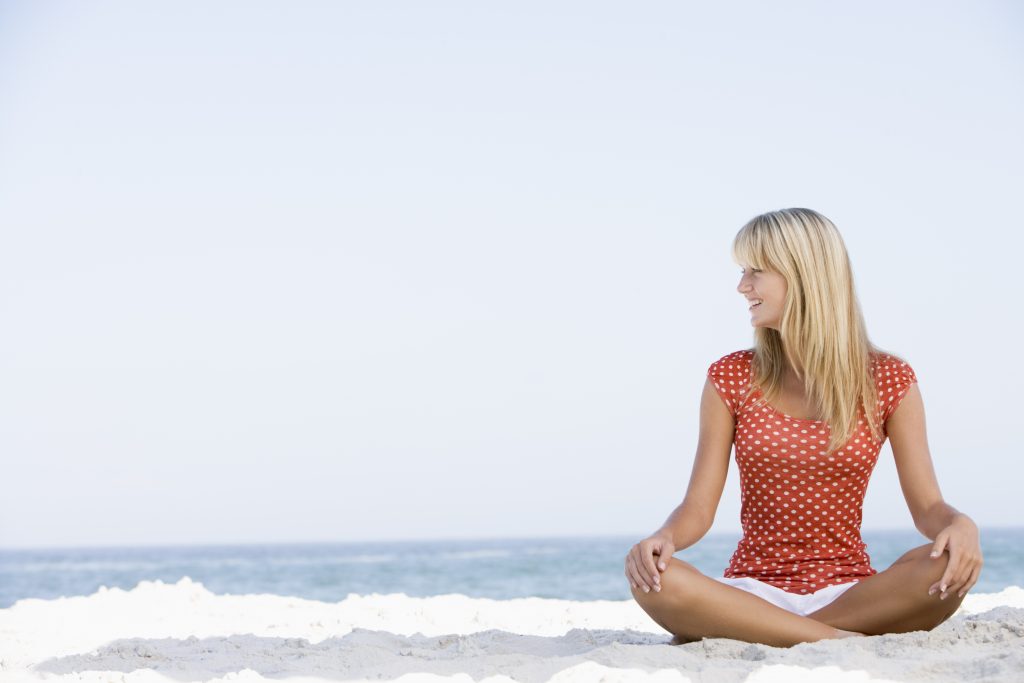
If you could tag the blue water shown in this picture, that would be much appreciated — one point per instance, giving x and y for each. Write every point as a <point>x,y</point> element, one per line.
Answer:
<point>569,568</point>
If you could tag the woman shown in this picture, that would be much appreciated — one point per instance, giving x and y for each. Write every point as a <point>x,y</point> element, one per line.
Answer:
<point>808,409</point>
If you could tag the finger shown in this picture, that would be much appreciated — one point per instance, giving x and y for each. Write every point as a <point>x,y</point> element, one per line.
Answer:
<point>966,579</point>
<point>639,575</point>
<point>939,545</point>
<point>970,581</point>
<point>629,574</point>
<point>647,569</point>
<point>961,580</point>
<point>953,588</point>
<point>631,571</point>
<point>947,576</point>
<point>954,585</point>
<point>663,556</point>
<point>653,570</point>
<point>953,577</point>
<point>953,574</point>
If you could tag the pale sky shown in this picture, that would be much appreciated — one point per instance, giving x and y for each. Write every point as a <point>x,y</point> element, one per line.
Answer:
<point>338,271</point>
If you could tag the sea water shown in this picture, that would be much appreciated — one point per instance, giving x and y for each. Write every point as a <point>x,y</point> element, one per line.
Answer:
<point>576,568</point>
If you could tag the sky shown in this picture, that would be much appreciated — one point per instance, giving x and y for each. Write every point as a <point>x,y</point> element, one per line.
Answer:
<point>338,271</point>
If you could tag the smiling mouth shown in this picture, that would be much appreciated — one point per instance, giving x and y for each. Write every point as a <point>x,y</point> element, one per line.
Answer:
<point>754,306</point>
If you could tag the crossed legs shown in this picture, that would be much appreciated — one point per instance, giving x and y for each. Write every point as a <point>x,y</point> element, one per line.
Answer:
<point>895,600</point>
<point>692,606</point>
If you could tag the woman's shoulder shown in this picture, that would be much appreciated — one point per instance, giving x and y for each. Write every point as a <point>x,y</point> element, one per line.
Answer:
<point>742,354</point>
<point>730,375</point>
<point>884,362</point>
<point>893,379</point>
<point>734,363</point>
<point>893,376</point>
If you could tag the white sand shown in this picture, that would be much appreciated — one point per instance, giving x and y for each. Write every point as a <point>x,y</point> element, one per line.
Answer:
<point>182,632</point>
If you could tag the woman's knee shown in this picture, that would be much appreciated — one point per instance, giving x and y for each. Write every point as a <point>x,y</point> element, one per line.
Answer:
<point>676,579</point>
<point>926,571</point>
<point>926,568</point>
<point>930,569</point>
<point>914,554</point>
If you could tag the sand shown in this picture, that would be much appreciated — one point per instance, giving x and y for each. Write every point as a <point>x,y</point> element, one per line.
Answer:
<point>183,632</point>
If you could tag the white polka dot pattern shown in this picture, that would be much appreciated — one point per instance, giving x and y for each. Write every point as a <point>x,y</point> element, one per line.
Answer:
<point>800,507</point>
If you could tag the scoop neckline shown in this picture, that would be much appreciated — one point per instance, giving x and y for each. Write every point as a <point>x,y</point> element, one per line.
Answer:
<point>775,410</point>
<point>760,394</point>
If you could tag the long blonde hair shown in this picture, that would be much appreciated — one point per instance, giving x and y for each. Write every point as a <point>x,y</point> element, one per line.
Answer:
<point>826,341</point>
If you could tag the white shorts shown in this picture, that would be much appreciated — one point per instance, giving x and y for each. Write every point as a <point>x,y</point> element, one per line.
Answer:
<point>797,603</point>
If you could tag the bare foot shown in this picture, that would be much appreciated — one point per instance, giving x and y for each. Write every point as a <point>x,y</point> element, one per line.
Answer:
<point>676,640</point>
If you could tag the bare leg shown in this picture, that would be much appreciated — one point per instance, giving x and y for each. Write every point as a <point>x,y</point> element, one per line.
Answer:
<point>895,600</point>
<point>850,634</point>
<point>691,605</point>
<point>676,640</point>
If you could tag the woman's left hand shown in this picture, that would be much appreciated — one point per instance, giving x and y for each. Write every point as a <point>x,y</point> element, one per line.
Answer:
<point>964,545</point>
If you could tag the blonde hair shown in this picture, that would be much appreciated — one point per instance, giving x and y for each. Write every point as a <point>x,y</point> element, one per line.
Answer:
<point>826,341</point>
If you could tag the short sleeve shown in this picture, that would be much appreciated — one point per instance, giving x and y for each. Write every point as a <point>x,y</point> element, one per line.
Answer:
<point>730,375</point>
<point>894,382</point>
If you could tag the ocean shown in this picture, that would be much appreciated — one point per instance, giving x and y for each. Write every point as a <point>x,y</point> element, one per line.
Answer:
<point>576,568</point>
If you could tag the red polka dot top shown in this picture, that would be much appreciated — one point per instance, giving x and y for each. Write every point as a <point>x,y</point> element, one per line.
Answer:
<point>801,509</point>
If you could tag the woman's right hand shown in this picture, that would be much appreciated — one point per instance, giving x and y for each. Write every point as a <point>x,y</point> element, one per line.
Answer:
<point>646,558</point>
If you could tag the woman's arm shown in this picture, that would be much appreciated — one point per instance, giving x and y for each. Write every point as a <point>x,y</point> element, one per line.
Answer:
<point>909,439</point>
<point>693,518</point>
<point>951,530</point>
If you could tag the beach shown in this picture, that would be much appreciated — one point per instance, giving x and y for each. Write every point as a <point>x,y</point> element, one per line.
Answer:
<point>183,632</point>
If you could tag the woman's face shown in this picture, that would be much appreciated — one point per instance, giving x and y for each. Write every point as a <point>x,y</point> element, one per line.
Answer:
<point>767,287</point>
